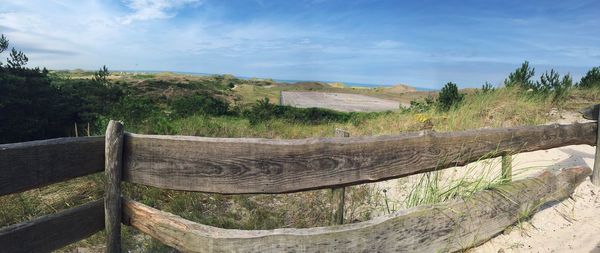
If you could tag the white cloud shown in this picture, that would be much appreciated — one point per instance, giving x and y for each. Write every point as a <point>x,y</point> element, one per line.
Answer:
<point>154,9</point>
<point>387,44</point>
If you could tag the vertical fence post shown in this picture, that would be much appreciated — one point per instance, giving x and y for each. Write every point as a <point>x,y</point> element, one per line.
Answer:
<point>113,155</point>
<point>338,194</point>
<point>280,97</point>
<point>506,167</point>
<point>596,172</point>
<point>593,113</point>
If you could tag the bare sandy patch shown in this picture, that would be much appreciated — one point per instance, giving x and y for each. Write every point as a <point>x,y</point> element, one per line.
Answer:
<point>344,102</point>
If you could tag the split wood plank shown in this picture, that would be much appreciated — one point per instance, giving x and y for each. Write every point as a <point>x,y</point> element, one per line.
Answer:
<point>33,164</point>
<point>445,227</point>
<point>250,165</point>
<point>54,231</point>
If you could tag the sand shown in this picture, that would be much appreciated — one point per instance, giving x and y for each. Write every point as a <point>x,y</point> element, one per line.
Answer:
<point>344,102</point>
<point>572,225</point>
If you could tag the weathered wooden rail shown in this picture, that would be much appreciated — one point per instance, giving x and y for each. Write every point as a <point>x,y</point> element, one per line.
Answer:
<point>250,165</point>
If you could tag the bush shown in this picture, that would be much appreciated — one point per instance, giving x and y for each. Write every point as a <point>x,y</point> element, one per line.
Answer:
<point>134,110</point>
<point>422,106</point>
<point>263,110</point>
<point>591,79</point>
<point>90,98</point>
<point>487,87</point>
<point>521,77</point>
<point>31,108</point>
<point>449,97</point>
<point>198,104</point>
<point>551,83</point>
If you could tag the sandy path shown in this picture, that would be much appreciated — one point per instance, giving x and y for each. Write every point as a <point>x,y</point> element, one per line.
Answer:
<point>344,102</point>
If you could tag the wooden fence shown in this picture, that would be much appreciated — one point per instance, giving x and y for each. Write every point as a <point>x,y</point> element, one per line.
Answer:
<point>250,166</point>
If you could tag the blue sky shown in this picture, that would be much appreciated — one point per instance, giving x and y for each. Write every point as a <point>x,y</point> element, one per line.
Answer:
<point>420,43</point>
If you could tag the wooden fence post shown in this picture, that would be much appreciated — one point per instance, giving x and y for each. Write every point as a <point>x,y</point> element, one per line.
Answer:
<point>593,113</point>
<point>596,173</point>
<point>507,167</point>
<point>338,193</point>
<point>113,155</point>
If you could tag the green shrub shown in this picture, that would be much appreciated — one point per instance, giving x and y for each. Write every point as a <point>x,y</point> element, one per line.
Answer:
<point>550,83</point>
<point>521,77</point>
<point>591,79</point>
<point>449,97</point>
<point>31,108</point>
<point>263,110</point>
<point>198,104</point>
<point>422,106</point>
<point>133,110</point>
<point>487,87</point>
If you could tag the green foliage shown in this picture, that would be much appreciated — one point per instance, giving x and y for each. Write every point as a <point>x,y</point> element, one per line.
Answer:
<point>591,79</point>
<point>30,107</point>
<point>101,75</point>
<point>487,87</point>
<point>134,110</point>
<point>550,83</point>
<point>3,44</point>
<point>89,98</point>
<point>263,110</point>
<point>521,77</point>
<point>198,104</point>
<point>449,97</point>
<point>17,59</point>
<point>422,106</point>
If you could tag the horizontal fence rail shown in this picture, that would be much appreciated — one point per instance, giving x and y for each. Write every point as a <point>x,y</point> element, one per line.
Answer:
<point>454,226</point>
<point>54,231</point>
<point>34,164</point>
<point>249,165</point>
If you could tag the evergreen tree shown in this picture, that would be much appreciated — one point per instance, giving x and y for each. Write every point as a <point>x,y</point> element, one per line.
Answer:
<point>591,79</point>
<point>521,77</point>
<point>449,96</point>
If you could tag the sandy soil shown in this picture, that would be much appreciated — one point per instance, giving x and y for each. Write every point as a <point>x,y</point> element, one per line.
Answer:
<point>345,102</point>
<point>572,225</point>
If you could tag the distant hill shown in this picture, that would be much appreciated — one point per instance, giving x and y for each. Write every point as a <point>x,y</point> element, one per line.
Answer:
<point>401,88</point>
<point>304,85</point>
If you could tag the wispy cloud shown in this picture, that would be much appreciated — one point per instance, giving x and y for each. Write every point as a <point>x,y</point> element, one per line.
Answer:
<point>154,9</point>
<point>387,44</point>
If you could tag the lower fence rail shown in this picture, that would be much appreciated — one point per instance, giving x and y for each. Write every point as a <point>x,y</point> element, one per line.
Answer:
<point>54,231</point>
<point>453,226</point>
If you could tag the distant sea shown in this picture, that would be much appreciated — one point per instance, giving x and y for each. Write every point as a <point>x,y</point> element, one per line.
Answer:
<point>351,84</point>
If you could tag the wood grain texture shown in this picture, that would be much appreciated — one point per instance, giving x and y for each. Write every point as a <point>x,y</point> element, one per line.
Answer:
<point>596,173</point>
<point>112,190</point>
<point>446,227</point>
<point>245,165</point>
<point>338,194</point>
<point>54,231</point>
<point>34,164</point>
